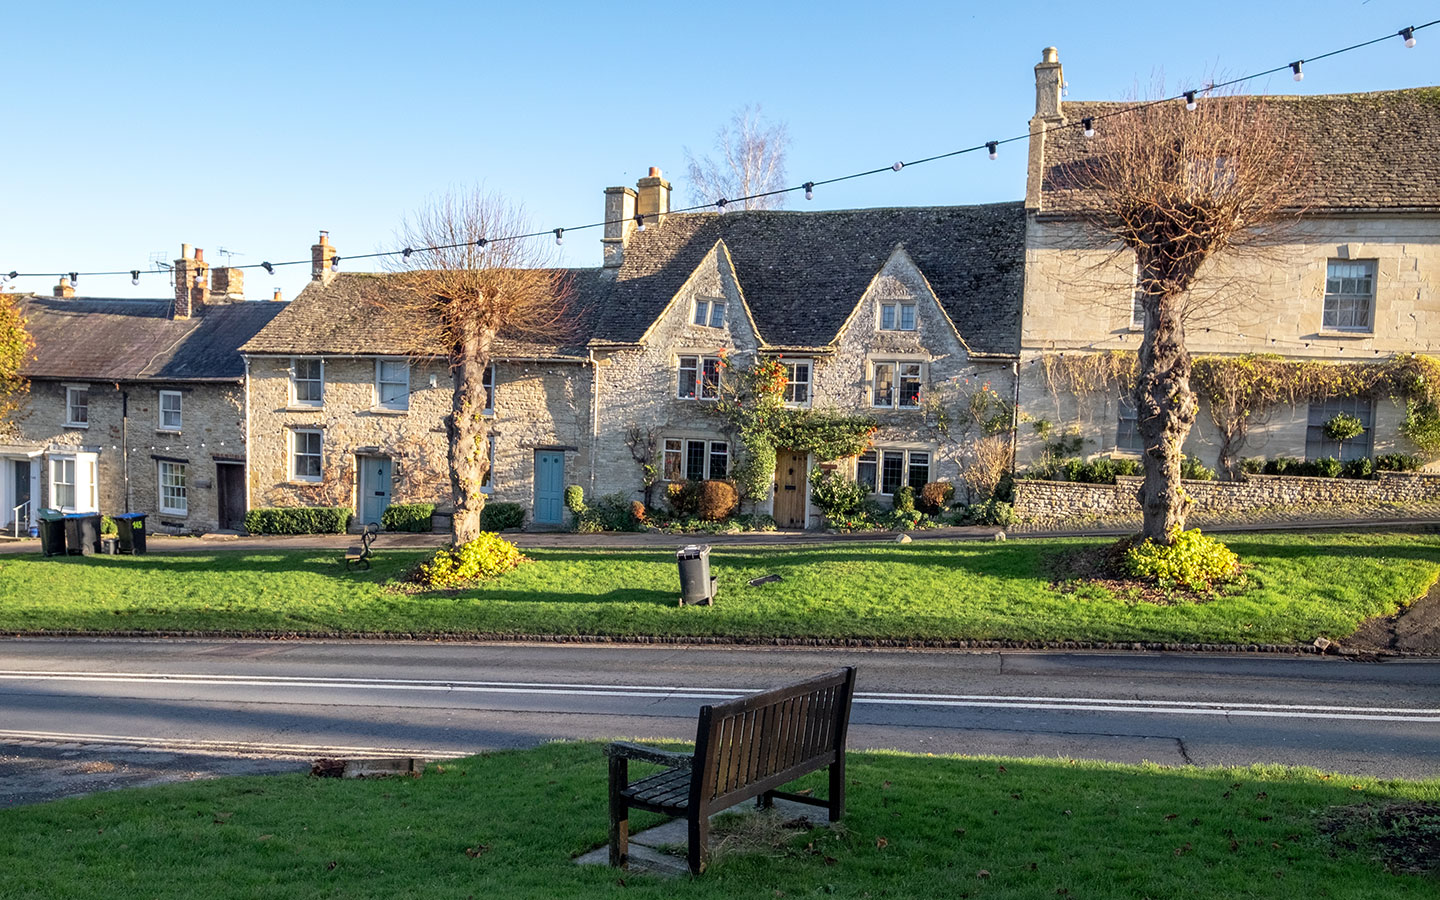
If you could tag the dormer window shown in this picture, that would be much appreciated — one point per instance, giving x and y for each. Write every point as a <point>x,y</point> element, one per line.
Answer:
<point>897,316</point>
<point>710,312</point>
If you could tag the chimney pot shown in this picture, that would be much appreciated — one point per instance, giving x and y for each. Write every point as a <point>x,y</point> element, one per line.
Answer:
<point>184,251</point>
<point>199,255</point>
<point>277,298</point>
<point>64,288</point>
<point>1049,55</point>
<point>653,200</point>
<point>324,237</point>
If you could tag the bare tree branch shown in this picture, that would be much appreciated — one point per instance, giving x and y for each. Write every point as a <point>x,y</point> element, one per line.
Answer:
<point>751,160</point>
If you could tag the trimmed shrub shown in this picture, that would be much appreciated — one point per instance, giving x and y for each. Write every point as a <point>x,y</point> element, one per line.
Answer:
<point>1364,467</point>
<point>1398,462</point>
<point>1193,560</point>
<point>298,520</point>
<point>986,512</point>
<point>485,557</point>
<point>715,500</point>
<point>1101,470</point>
<point>407,516</point>
<point>682,497</point>
<point>1343,427</point>
<point>1282,465</point>
<point>612,512</point>
<point>1326,467</point>
<point>1192,468</point>
<point>108,526</point>
<point>500,516</point>
<point>905,501</point>
<point>1254,465</point>
<point>834,494</point>
<point>575,499</point>
<point>935,497</point>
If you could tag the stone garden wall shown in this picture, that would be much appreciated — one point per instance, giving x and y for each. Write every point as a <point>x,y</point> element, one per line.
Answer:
<point>1057,502</point>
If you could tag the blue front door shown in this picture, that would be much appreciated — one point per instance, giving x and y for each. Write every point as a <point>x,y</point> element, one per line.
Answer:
<point>549,487</point>
<point>374,487</point>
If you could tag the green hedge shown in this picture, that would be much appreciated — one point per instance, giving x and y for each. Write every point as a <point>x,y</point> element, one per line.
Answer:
<point>407,517</point>
<point>500,516</point>
<point>298,520</point>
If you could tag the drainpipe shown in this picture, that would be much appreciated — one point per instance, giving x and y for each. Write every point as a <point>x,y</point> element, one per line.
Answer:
<point>125,443</point>
<point>1015,415</point>
<point>246,448</point>
<point>594,417</point>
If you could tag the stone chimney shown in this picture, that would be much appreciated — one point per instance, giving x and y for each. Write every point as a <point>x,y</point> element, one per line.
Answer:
<point>227,285</point>
<point>192,289</point>
<point>321,255</point>
<point>653,201</point>
<point>1049,84</point>
<point>277,298</point>
<point>64,288</point>
<point>619,224</point>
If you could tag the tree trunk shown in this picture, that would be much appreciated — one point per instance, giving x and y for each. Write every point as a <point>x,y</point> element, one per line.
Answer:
<point>1232,441</point>
<point>468,431</point>
<point>1165,408</point>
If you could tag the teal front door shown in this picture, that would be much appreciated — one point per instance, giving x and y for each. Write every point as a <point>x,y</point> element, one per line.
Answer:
<point>374,487</point>
<point>549,487</point>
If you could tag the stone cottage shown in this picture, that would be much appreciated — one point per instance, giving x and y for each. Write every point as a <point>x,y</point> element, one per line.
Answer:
<point>888,312</point>
<point>1356,281</point>
<point>136,405</point>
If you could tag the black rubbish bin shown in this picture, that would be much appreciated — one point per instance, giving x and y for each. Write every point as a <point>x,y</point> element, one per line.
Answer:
<point>52,532</point>
<point>82,534</point>
<point>697,587</point>
<point>131,528</point>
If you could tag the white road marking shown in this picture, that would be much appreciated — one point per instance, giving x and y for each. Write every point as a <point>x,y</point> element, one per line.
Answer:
<point>981,701</point>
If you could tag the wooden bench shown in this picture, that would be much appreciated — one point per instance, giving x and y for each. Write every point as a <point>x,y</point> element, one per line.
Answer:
<point>744,749</point>
<point>361,555</point>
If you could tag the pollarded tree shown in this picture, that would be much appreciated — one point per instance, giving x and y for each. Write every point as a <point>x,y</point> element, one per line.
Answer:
<point>16,346</point>
<point>473,287</point>
<point>1182,189</point>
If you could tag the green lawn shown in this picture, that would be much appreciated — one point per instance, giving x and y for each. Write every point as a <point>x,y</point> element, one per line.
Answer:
<point>1299,586</point>
<point>922,827</point>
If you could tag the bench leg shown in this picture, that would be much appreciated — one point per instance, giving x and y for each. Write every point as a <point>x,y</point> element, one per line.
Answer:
<point>619,813</point>
<point>837,787</point>
<point>765,800</point>
<point>699,836</point>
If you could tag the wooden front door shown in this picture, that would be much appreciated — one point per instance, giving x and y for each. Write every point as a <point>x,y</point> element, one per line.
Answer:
<point>230,495</point>
<point>791,488</point>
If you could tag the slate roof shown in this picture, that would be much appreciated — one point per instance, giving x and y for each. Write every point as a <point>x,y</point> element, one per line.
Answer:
<point>802,273</point>
<point>1374,151</point>
<point>99,339</point>
<point>350,316</point>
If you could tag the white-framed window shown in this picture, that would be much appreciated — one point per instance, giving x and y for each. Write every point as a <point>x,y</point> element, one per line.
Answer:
<point>307,381</point>
<point>1318,446</point>
<point>695,459</point>
<point>1127,428</point>
<point>74,482</point>
<point>797,382</point>
<point>1349,295</point>
<point>306,453</point>
<point>488,380</point>
<point>896,384</point>
<point>77,406</point>
<point>883,471</point>
<point>487,484</point>
<point>172,488</point>
<point>170,411</point>
<point>699,378</point>
<point>392,383</point>
<point>710,312</point>
<point>1137,300</point>
<point>897,316</point>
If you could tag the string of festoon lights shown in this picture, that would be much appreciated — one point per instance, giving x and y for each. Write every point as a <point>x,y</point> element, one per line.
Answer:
<point>1086,125</point>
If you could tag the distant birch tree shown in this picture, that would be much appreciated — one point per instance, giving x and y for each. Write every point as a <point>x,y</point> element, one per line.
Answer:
<point>749,159</point>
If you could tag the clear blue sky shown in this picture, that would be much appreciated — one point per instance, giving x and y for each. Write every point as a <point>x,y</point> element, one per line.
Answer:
<point>133,127</point>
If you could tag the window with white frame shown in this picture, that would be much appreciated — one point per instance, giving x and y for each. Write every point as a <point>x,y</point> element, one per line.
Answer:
<point>488,379</point>
<point>487,484</point>
<point>695,459</point>
<point>1349,295</point>
<point>896,384</point>
<point>884,471</point>
<point>797,382</point>
<point>1318,445</point>
<point>306,445</point>
<point>392,383</point>
<point>897,316</point>
<point>170,413</point>
<point>172,488</point>
<point>1137,300</point>
<point>62,482</point>
<point>77,407</point>
<point>74,482</point>
<point>710,312</point>
<point>1127,428</point>
<point>307,381</point>
<point>699,378</point>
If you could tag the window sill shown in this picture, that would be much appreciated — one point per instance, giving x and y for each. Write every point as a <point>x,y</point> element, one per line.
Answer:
<point>387,411</point>
<point>1346,335</point>
<point>303,407</point>
<point>177,513</point>
<point>77,425</point>
<point>304,482</point>
<point>168,431</point>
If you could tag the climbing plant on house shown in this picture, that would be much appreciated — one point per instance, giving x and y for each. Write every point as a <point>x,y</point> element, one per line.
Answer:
<point>752,403</point>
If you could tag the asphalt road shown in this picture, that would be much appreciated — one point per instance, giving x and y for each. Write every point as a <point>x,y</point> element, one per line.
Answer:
<point>90,702</point>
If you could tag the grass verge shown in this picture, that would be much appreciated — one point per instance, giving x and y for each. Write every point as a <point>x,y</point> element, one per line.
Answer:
<point>917,827</point>
<point>1298,586</point>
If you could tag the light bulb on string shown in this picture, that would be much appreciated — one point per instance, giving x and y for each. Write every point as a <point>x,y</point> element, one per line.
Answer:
<point>480,244</point>
<point>134,276</point>
<point>1298,68</point>
<point>269,269</point>
<point>639,221</point>
<point>1408,34</point>
<point>994,148</point>
<point>897,165</point>
<point>720,204</point>
<point>74,278</point>
<point>1190,100</point>
<point>809,190</point>
<point>334,263</point>
<point>559,236</point>
<point>1089,125</point>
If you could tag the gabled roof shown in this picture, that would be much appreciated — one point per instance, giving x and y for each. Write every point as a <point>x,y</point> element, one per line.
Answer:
<point>802,273</point>
<point>1375,151</point>
<point>90,338</point>
<point>354,315</point>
